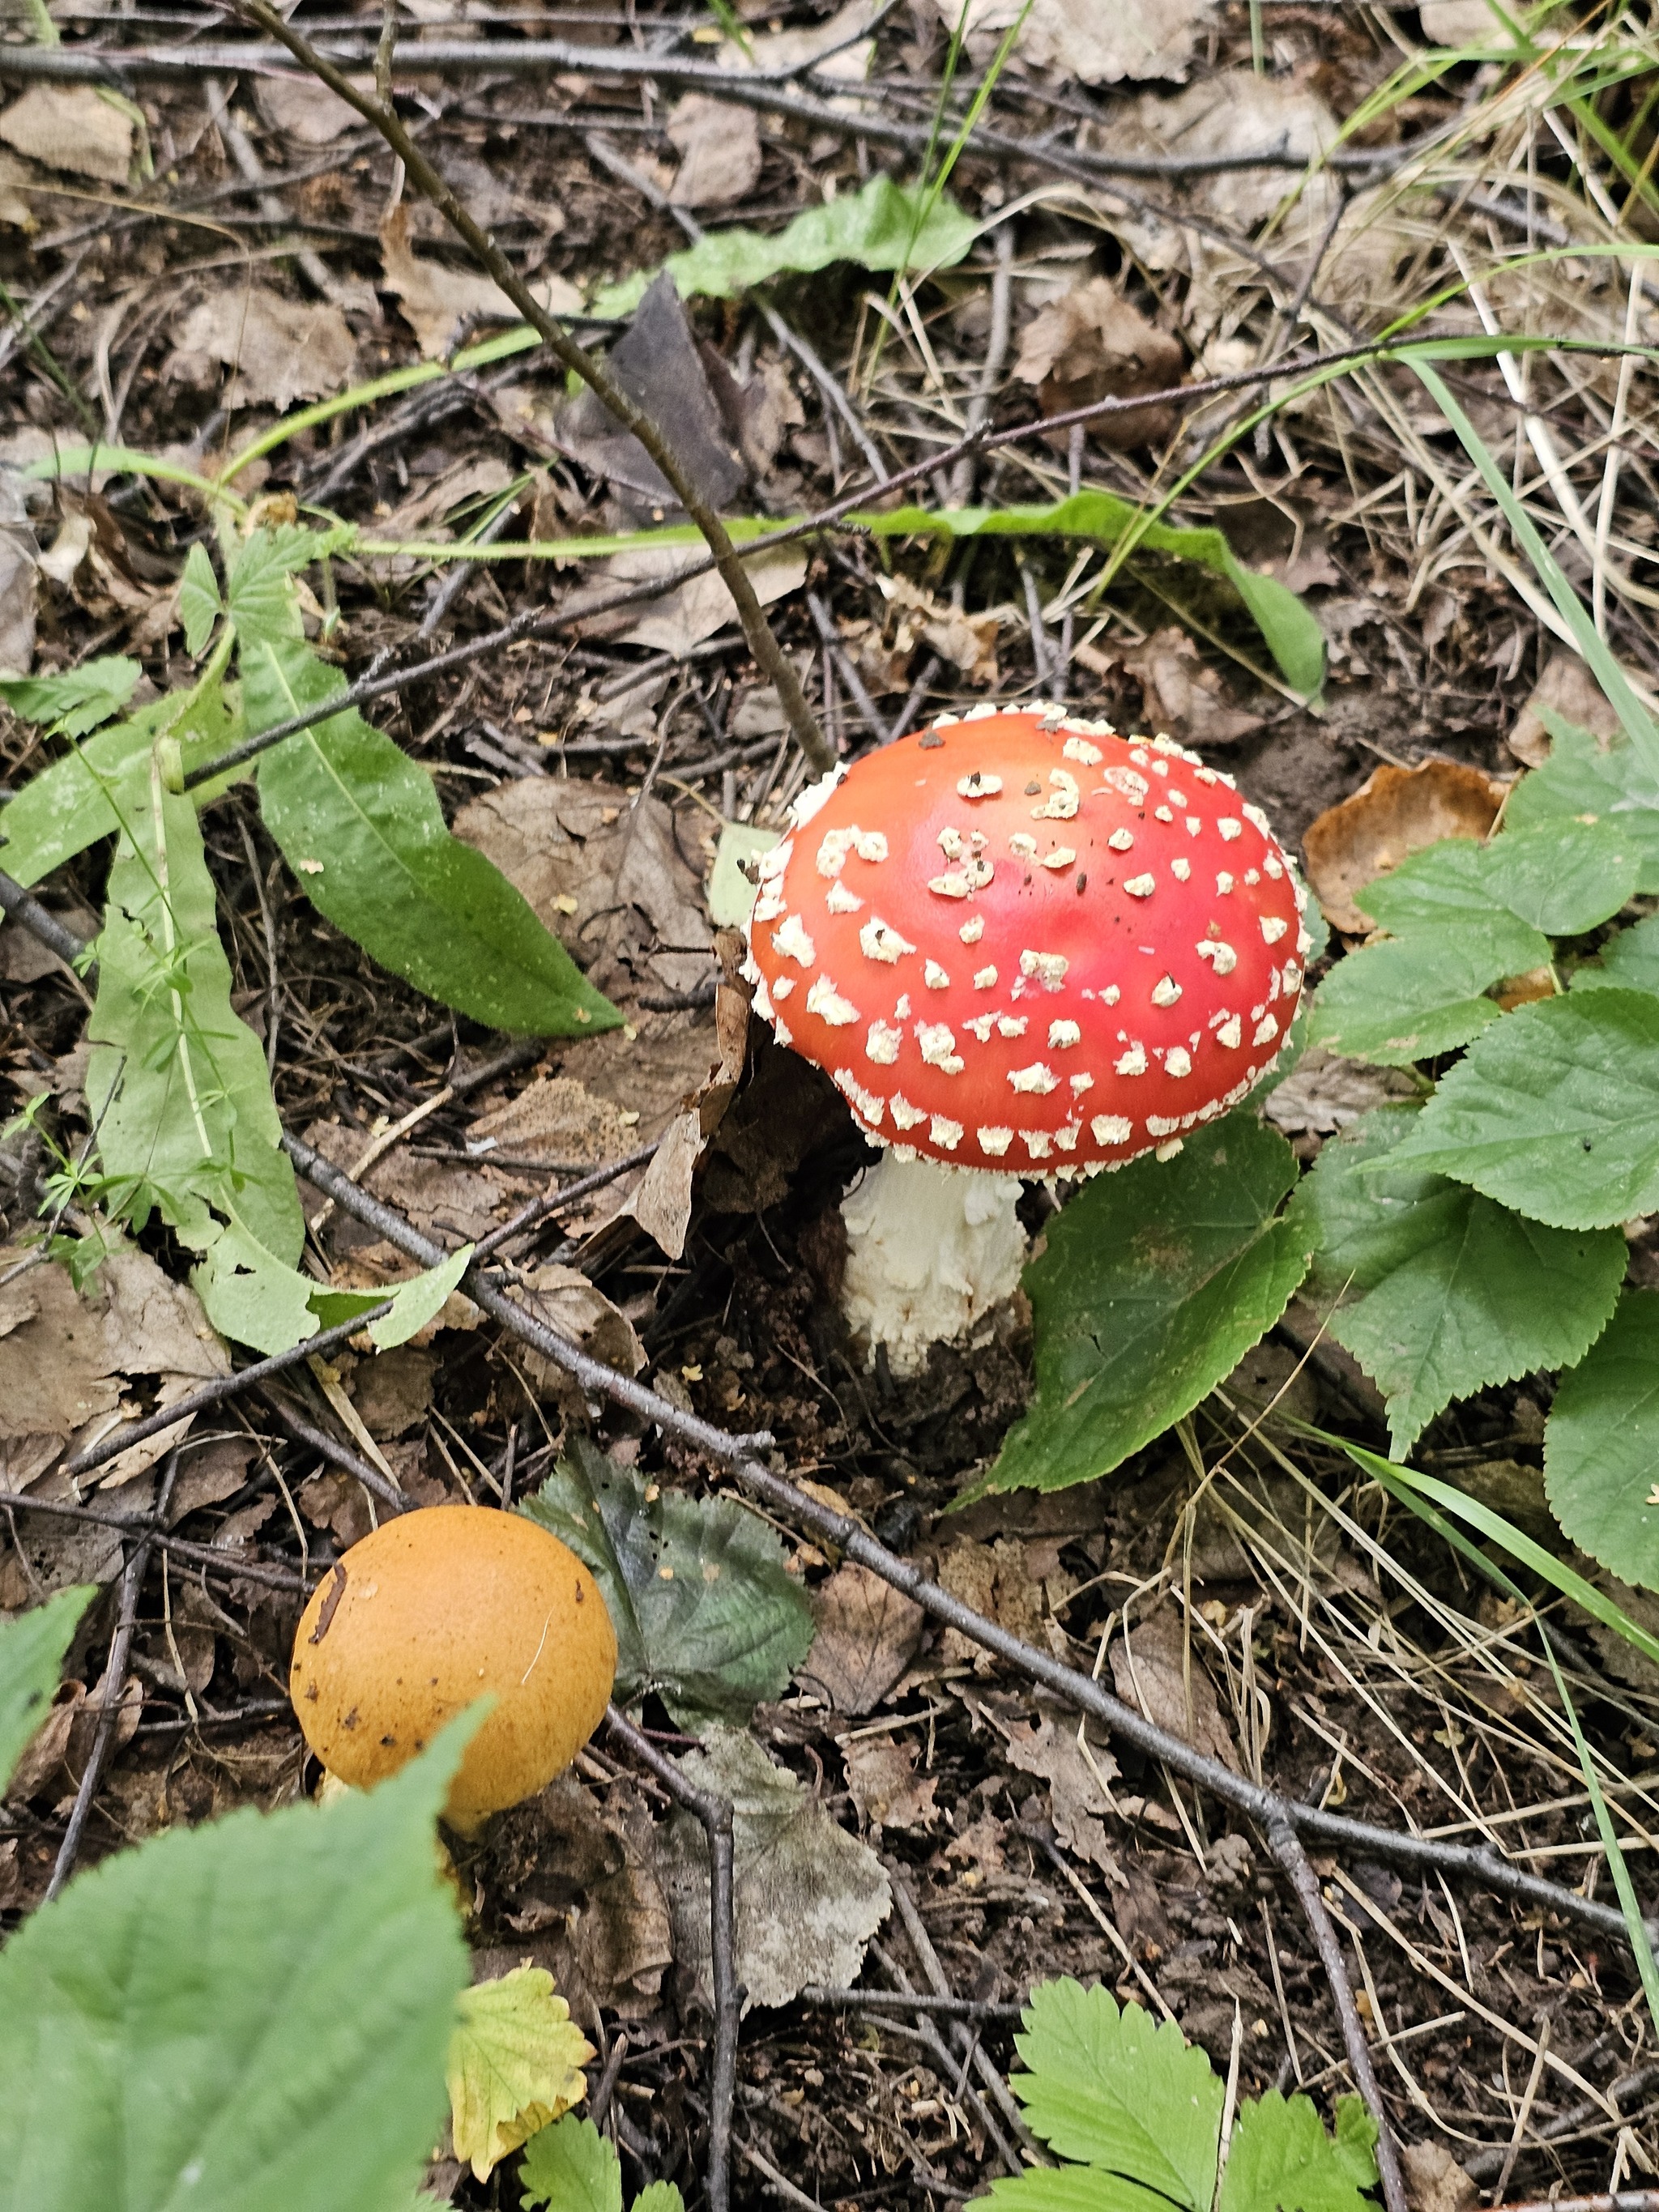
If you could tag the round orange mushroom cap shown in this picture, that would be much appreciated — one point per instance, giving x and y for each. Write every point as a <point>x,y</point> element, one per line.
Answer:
<point>432,1611</point>
<point>1020,941</point>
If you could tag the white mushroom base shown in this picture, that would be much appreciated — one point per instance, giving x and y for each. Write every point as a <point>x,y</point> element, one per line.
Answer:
<point>929,1249</point>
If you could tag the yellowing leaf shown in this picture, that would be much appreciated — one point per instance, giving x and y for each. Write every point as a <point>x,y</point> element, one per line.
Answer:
<point>515,2062</point>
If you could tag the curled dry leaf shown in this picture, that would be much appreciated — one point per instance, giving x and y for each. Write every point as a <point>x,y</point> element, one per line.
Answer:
<point>1084,39</point>
<point>1435,2182</point>
<point>662,1203</point>
<point>1154,1671</point>
<point>1091,344</point>
<point>1079,1791</point>
<point>71,127</point>
<point>1394,812</point>
<point>1325,1093</point>
<point>280,350</point>
<point>867,1634</point>
<point>1183,697</point>
<point>565,1299</point>
<point>969,641</point>
<point>1566,689</point>
<point>720,150</point>
<point>882,1782</point>
<point>438,302</point>
<point>577,1873</point>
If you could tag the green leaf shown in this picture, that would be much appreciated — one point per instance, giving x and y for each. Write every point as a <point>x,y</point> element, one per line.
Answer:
<point>75,700</point>
<point>71,804</point>
<point>704,1612</point>
<point>872,228</point>
<point>731,894</point>
<point>361,825</point>
<point>659,2196</point>
<point>199,603</point>
<point>1450,887</point>
<point>1629,961</point>
<point>259,592</point>
<point>570,2167</point>
<point>1281,2160</point>
<point>249,1294</point>
<point>1581,780</point>
<point>1292,633</point>
<point>1118,2091</point>
<point>32,1648</point>
<point>1602,1444</point>
<point>1445,1292</point>
<point>176,1083</point>
<point>1072,2189</point>
<point>252,2013</point>
<point>1555,1111</point>
<point>416,1302</point>
<point>1563,877</point>
<point>1401,1002</point>
<point>514,2065</point>
<point>1155,1283</point>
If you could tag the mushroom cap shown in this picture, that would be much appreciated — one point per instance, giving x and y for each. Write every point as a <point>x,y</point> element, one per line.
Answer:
<point>1018,941</point>
<point>427,1613</point>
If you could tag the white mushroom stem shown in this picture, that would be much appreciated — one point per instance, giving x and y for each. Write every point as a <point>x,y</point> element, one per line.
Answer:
<point>929,1249</point>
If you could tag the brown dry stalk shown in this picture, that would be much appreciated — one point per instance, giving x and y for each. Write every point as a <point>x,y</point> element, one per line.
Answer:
<point>769,656</point>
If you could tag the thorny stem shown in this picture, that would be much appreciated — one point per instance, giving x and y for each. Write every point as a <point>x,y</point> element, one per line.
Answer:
<point>769,655</point>
<point>715,1813</point>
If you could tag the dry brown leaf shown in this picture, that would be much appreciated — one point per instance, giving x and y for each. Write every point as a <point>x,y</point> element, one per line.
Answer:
<point>1155,1674</point>
<point>720,150</point>
<point>458,1201</point>
<point>1325,1093</point>
<point>438,302</point>
<point>577,1309</point>
<point>606,873</point>
<point>1017,1588</point>
<point>684,614</point>
<point>393,1391</point>
<point>554,1118</point>
<point>1462,22</point>
<point>882,1782</point>
<point>1078,1793</point>
<point>305,111</point>
<point>1091,344</point>
<point>1435,2182</point>
<point>1183,696</point>
<point>579,1867</point>
<point>418,516</point>
<point>1238,111</point>
<point>280,350</point>
<point>1098,43</point>
<point>1394,812</point>
<point>1567,688</point>
<point>19,570</point>
<point>969,641</point>
<point>71,127</point>
<point>16,210</point>
<point>867,1634</point>
<point>662,1203</point>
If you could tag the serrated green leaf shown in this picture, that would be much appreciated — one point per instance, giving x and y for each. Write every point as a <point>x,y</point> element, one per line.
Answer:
<point>199,603</point>
<point>71,804</point>
<point>514,2065</point>
<point>871,228</point>
<point>1116,2090</point>
<point>1072,2189</point>
<point>570,2167</point>
<point>1450,887</point>
<point>1281,2160</point>
<point>176,1083</point>
<point>1443,1293</point>
<point>1155,1283</point>
<point>1628,962</point>
<point>1602,1444</point>
<point>1555,1111</point>
<point>253,2012</point>
<point>659,2197</point>
<point>361,825</point>
<point>1397,1002</point>
<point>74,700</point>
<point>32,1648</point>
<point>705,1612</point>
<point>1563,877</point>
<point>1582,780</point>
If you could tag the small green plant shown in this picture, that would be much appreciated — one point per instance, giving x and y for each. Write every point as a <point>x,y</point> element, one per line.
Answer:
<point>570,2167</point>
<point>1140,2120</point>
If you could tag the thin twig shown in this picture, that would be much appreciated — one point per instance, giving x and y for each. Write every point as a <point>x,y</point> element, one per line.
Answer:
<point>715,1813</point>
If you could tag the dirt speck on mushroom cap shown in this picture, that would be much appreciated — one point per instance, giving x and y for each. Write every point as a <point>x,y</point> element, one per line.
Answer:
<point>1020,941</point>
<point>428,1613</point>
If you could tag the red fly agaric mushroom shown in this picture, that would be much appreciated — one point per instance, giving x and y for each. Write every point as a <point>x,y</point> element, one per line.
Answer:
<point>1020,944</point>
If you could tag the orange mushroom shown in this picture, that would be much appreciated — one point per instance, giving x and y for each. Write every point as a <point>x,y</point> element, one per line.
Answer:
<point>433,1611</point>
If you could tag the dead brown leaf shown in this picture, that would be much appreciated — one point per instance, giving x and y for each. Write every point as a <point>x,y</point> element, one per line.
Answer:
<point>867,1634</point>
<point>1435,2182</point>
<point>71,127</point>
<point>333,1501</point>
<point>1182,696</point>
<point>720,150</point>
<point>1568,689</point>
<point>279,350</point>
<point>579,1867</point>
<point>662,1203</point>
<point>1003,1581</point>
<point>565,1299</point>
<point>882,1782</point>
<point>969,641</point>
<point>16,210</point>
<point>1078,1794</point>
<point>1091,344</point>
<point>555,1118</point>
<point>1154,1672</point>
<point>605,872</point>
<point>1325,1093</point>
<point>438,302</point>
<point>393,1391</point>
<point>307,111</point>
<point>1394,812</point>
<point>19,563</point>
<point>1085,39</point>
